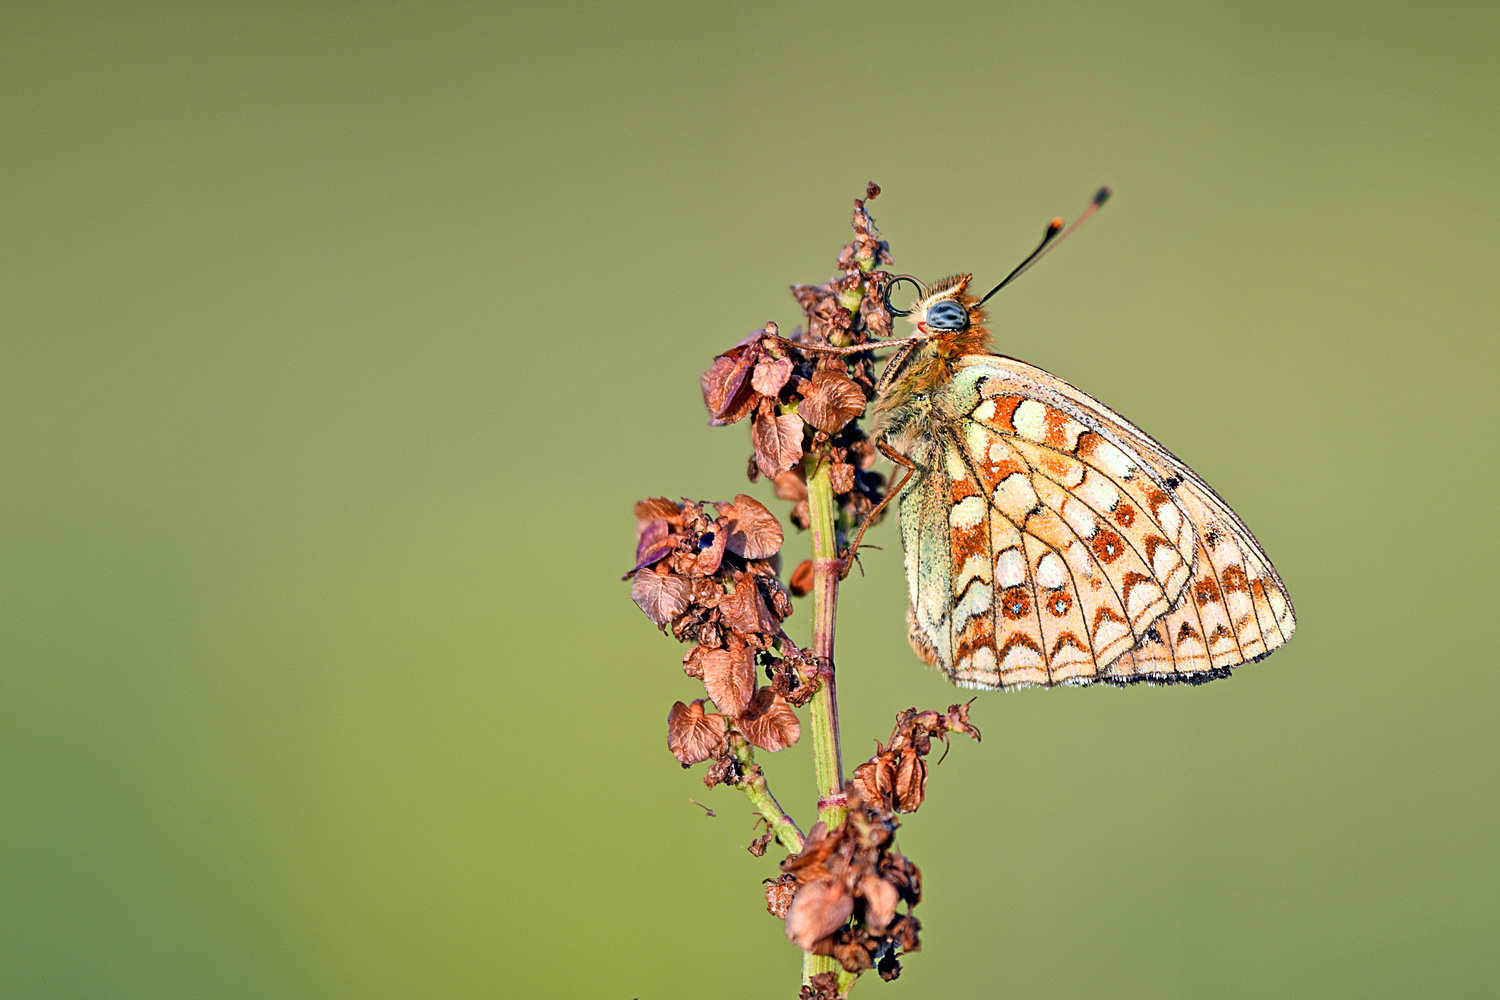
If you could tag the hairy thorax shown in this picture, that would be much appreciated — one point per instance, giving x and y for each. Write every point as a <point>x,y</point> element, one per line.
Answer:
<point>911,407</point>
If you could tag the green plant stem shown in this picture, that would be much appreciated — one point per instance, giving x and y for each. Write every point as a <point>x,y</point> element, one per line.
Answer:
<point>759,793</point>
<point>827,757</point>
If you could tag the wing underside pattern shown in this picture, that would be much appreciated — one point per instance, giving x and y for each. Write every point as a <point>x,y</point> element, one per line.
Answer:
<point>1049,541</point>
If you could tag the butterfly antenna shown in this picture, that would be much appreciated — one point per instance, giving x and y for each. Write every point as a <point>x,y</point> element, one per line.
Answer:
<point>1054,235</point>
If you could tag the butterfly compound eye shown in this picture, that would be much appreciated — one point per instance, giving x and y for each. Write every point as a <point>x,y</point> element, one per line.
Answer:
<point>947,315</point>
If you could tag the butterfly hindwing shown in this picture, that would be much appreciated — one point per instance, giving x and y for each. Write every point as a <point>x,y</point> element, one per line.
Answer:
<point>1050,541</point>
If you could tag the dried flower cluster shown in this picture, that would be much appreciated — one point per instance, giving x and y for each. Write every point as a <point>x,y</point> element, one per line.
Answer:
<point>802,402</point>
<point>896,777</point>
<point>707,572</point>
<point>840,895</point>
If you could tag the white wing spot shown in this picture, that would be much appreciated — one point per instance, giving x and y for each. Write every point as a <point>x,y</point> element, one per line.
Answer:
<point>1051,572</point>
<point>1015,497</point>
<point>979,600</point>
<point>976,567</point>
<point>1080,518</point>
<point>967,512</point>
<point>1030,420</point>
<point>1114,461</point>
<point>1098,492</point>
<point>982,661</point>
<point>1010,568</point>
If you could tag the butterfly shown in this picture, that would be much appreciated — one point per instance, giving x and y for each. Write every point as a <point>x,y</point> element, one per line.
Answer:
<point>1049,540</point>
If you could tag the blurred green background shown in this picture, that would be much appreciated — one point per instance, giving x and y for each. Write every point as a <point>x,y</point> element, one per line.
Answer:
<point>339,339</point>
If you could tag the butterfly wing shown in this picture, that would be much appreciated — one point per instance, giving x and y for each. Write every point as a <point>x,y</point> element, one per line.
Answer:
<point>1049,540</point>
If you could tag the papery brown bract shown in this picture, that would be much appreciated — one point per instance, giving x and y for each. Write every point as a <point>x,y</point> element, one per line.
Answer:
<point>655,543</point>
<point>729,676</point>
<point>754,531</point>
<point>727,391</point>
<point>770,375</point>
<point>744,610</point>
<point>657,509</point>
<point>661,595</point>
<point>693,734</point>
<point>819,909</point>
<point>777,441</point>
<point>830,400</point>
<point>801,581</point>
<point>768,721</point>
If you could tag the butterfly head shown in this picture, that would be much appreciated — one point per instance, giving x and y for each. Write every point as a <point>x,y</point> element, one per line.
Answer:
<point>946,313</point>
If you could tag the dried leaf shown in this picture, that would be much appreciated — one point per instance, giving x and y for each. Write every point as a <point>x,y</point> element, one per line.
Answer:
<point>911,782</point>
<point>769,722</point>
<point>655,543</point>
<point>726,387</point>
<point>791,485</point>
<point>818,909</point>
<point>841,475</point>
<point>880,901</point>
<point>770,375</point>
<point>801,582</point>
<point>777,441</point>
<point>830,401</point>
<point>692,733</point>
<point>759,844</point>
<point>875,778</point>
<point>729,676</point>
<point>754,533</point>
<point>745,611</point>
<point>656,508</point>
<point>779,893</point>
<point>712,552</point>
<point>662,596</point>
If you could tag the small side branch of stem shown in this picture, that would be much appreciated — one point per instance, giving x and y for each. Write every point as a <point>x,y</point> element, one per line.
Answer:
<point>759,793</point>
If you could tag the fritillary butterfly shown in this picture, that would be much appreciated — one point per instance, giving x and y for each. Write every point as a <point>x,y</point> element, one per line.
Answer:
<point>1049,540</point>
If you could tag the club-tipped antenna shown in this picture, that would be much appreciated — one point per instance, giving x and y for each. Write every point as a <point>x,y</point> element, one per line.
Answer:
<point>1054,235</point>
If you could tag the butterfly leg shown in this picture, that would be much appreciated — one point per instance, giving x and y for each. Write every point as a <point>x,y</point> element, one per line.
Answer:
<point>899,459</point>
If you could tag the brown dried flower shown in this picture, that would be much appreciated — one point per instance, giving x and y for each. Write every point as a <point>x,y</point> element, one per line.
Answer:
<point>779,893</point>
<point>850,882</point>
<point>830,400</point>
<point>769,722</point>
<point>896,777</point>
<point>729,675</point>
<point>693,734</point>
<point>777,440</point>
<point>801,582</point>
<point>823,986</point>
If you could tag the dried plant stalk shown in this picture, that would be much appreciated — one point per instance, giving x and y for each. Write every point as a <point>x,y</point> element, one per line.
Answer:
<point>708,573</point>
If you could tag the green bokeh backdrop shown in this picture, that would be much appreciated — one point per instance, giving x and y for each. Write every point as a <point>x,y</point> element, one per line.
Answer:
<point>338,340</point>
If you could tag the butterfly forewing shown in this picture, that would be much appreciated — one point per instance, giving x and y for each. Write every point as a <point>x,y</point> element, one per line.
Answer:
<point>1050,541</point>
